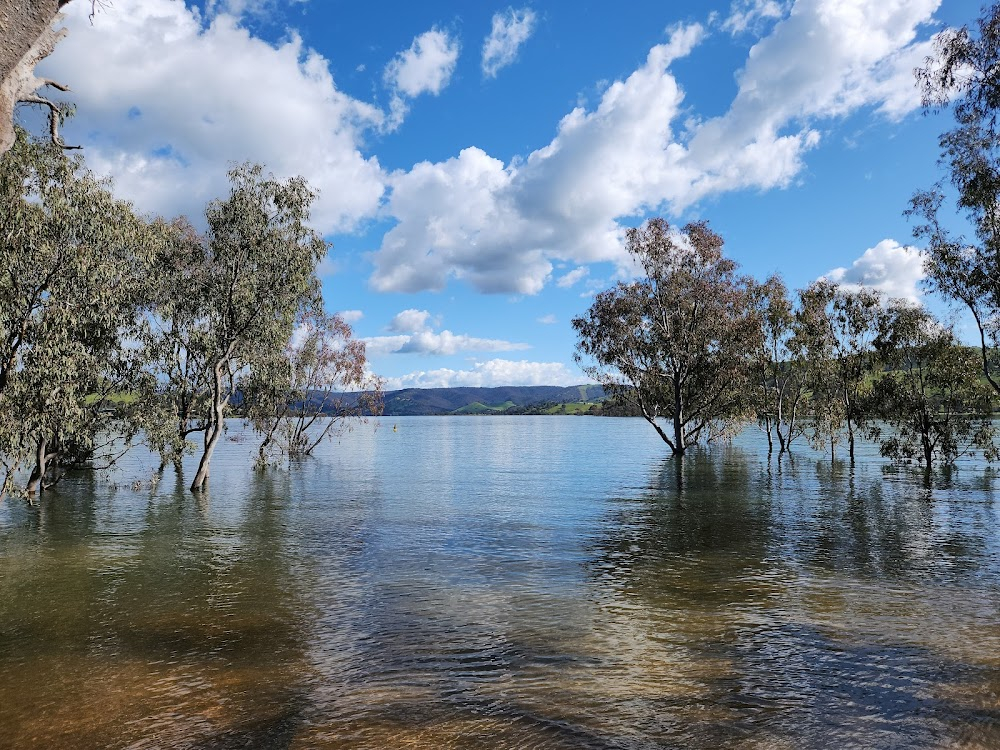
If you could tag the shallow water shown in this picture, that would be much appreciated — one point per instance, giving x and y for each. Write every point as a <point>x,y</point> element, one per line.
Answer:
<point>505,582</point>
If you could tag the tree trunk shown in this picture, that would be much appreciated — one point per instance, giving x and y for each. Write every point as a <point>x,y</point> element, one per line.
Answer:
<point>41,466</point>
<point>27,38</point>
<point>213,431</point>
<point>679,445</point>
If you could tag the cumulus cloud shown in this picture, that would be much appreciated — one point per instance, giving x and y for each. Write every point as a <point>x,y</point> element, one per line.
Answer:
<point>410,321</point>
<point>559,203</point>
<point>510,30</point>
<point>168,101</point>
<point>889,267</point>
<point>564,202</point>
<point>425,67</point>
<point>548,320</point>
<point>414,334</point>
<point>351,316</point>
<point>489,374</point>
<point>826,60</point>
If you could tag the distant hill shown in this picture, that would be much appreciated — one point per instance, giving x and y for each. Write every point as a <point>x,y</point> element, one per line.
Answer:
<point>503,400</point>
<point>436,401</point>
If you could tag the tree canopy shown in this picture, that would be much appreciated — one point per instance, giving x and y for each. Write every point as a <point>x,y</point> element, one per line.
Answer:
<point>73,268</point>
<point>677,340</point>
<point>964,74</point>
<point>115,328</point>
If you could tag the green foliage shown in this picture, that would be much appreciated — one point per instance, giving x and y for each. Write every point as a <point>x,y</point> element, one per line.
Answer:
<point>230,300</point>
<point>935,406</point>
<point>835,339</point>
<point>778,382</point>
<point>112,327</point>
<point>678,340</point>
<point>965,73</point>
<point>73,261</point>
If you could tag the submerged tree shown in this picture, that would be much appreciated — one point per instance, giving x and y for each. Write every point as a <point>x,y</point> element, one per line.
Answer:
<point>73,260</point>
<point>317,385</point>
<point>176,340</point>
<point>837,332</point>
<point>929,397</point>
<point>678,340</point>
<point>778,384</point>
<point>965,73</point>
<point>259,271</point>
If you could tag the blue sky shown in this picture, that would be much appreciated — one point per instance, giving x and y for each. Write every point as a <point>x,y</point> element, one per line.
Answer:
<point>479,162</point>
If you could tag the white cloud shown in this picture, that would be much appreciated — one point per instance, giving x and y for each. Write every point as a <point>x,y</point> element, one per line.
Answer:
<point>426,67</point>
<point>627,157</point>
<point>510,30</point>
<point>410,321</point>
<point>377,346</point>
<point>559,203</point>
<point>826,60</point>
<point>239,8</point>
<point>889,267</point>
<point>446,343</point>
<point>493,373</point>
<point>748,14</point>
<point>351,316</point>
<point>548,320</point>
<point>414,335</point>
<point>569,279</point>
<point>166,103</point>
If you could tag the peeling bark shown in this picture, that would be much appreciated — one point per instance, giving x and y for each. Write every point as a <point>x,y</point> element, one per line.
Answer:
<point>27,36</point>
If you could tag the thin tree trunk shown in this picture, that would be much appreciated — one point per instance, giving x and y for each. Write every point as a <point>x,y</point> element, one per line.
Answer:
<point>679,444</point>
<point>41,464</point>
<point>214,430</point>
<point>850,438</point>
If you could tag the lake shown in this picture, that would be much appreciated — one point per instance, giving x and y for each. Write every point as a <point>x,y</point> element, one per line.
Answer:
<point>510,582</point>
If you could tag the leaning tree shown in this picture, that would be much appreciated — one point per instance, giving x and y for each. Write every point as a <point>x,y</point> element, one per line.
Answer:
<point>677,341</point>
<point>231,299</point>
<point>964,74</point>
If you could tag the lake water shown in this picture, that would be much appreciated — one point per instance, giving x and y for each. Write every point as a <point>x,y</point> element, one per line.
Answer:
<point>514,582</point>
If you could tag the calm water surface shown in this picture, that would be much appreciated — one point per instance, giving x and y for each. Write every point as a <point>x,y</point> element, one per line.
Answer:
<point>512,582</point>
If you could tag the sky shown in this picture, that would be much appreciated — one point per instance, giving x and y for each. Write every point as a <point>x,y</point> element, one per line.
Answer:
<point>478,163</point>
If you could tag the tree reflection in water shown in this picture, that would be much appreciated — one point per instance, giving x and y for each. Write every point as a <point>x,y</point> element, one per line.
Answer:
<point>833,602</point>
<point>504,583</point>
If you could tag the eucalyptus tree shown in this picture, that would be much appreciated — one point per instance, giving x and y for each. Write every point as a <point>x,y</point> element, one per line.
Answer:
<point>237,292</point>
<point>837,332</point>
<point>929,396</point>
<point>176,340</point>
<point>28,36</point>
<point>778,383</point>
<point>814,344</point>
<point>964,73</point>
<point>678,340</point>
<point>73,261</point>
<point>318,386</point>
